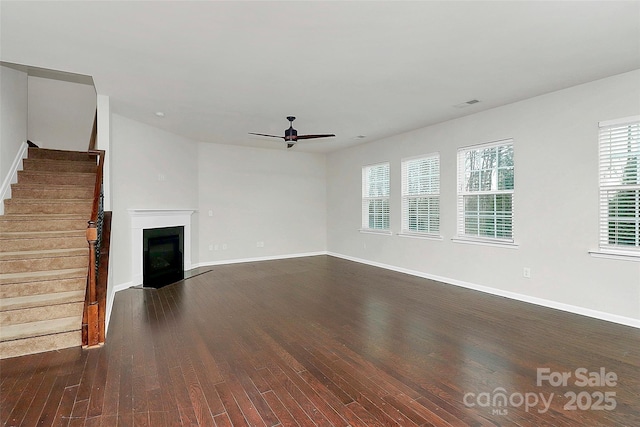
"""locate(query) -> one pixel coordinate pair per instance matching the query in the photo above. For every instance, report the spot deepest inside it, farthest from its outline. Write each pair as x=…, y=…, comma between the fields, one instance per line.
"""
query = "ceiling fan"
x=291, y=135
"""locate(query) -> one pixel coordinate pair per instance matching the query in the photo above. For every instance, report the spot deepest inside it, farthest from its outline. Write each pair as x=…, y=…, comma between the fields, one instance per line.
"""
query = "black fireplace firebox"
x=163, y=256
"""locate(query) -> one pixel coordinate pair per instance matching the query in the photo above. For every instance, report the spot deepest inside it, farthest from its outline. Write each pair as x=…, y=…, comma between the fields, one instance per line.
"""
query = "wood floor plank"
x=233, y=411
x=222, y=420
x=320, y=341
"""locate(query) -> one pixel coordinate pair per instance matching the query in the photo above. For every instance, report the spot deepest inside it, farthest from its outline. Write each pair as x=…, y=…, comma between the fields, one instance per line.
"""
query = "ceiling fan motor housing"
x=290, y=134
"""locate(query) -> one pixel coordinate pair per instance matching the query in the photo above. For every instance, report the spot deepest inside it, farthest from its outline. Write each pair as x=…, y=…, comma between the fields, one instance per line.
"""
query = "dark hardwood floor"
x=324, y=341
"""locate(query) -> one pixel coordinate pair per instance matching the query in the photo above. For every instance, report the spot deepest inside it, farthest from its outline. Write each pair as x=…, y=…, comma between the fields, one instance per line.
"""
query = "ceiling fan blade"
x=264, y=134
x=323, y=135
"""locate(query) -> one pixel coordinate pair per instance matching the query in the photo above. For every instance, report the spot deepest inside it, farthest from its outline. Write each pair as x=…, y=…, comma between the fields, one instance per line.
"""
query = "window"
x=421, y=195
x=620, y=184
x=375, y=197
x=485, y=192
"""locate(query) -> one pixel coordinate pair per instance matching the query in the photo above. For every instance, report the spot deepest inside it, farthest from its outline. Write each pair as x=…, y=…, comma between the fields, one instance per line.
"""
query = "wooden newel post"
x=93, y=326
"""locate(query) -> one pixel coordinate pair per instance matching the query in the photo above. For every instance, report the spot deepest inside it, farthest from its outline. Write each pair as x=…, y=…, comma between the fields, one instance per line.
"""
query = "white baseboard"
x=601, y=315
x=265, y=258
x=12, y=175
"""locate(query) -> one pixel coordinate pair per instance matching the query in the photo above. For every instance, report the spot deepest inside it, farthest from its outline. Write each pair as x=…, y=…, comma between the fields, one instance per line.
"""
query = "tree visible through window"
x=375, y=197
x=620, y=184
x=485, y=191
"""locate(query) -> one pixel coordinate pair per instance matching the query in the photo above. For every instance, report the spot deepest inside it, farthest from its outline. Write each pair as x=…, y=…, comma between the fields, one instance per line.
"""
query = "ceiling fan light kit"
x=291, y=135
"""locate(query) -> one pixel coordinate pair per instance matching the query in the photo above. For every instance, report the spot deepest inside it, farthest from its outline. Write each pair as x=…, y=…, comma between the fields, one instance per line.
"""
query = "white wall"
x=13, y=116
x=150, y=169
x=260, y=195
x=277, y=197
x=556, y=201
x=60, y=113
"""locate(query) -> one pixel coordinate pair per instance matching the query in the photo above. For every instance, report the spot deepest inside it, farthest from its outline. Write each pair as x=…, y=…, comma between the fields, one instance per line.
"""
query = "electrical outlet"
x=210, y=247
x=260, y=244
x=526, y=272
x=210, y=212
x=224, y=246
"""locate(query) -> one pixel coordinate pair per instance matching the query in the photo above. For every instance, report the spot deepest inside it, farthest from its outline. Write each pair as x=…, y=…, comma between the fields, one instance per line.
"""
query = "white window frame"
x=616, y=139
x=427, y=187
x=380, y=196
x=464, y=191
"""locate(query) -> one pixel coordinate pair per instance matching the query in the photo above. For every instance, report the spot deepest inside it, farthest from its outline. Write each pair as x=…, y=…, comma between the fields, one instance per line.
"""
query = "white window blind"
x=485, y=191
x=421, y=195
x=620, y=184
x=375, y=197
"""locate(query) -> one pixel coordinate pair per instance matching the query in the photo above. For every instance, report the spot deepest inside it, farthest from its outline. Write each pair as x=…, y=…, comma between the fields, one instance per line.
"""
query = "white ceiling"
x=219, y=70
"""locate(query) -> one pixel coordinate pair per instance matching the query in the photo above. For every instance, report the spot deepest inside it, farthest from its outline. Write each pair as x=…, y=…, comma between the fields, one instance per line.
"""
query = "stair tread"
x=44, y=253
x=39, y=328
x=55, y=151
x=40, y=344
x=51, y=186
x=50, y=201
x=59, y=161
x=41, y=234
x=40, y=216
x=42, y=275
x=45, y=172
x=40, y=300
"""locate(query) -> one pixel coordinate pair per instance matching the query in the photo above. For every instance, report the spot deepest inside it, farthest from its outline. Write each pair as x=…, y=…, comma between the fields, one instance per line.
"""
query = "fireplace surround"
x=146, y=219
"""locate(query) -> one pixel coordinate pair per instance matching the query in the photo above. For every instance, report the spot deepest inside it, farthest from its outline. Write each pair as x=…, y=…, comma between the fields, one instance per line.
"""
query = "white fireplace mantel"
x=142, y=219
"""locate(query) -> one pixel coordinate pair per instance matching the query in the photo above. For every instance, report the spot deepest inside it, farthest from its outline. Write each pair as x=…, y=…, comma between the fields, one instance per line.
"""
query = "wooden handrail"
x=97, y=189
x=95, y=303
x=91, y=329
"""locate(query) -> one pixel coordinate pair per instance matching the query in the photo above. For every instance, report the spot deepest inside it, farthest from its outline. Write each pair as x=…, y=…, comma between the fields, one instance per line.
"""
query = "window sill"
x=374, y=231
x=420, y=236
x=618, y=255
x=482, y=242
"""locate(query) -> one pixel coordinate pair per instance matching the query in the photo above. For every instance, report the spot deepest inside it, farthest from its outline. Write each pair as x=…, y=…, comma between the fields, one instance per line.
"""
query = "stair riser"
x=74, y=208
x=43, y=264
x=45, y=287
x=43, y=254
x=42, y=300
x=43, y=153
x=26, y=177
x=73, y=273
x=74, y=192
x=40, y=344
x=57, y=166
x=43, y=225
x=35, y=314
x=14, y=245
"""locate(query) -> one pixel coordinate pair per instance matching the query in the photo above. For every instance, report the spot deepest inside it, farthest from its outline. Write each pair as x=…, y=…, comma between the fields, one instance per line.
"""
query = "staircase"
x=44, y=254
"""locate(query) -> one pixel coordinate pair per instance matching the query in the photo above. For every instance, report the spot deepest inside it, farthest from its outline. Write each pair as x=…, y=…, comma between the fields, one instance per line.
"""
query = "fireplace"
x=144, y=219
x=163, y=256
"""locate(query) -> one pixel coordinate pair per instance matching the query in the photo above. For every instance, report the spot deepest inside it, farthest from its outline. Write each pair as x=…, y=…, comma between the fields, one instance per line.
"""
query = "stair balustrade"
x=93, y=328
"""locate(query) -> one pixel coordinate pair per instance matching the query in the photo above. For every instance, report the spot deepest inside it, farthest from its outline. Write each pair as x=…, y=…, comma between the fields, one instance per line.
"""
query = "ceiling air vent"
x=466, y=104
